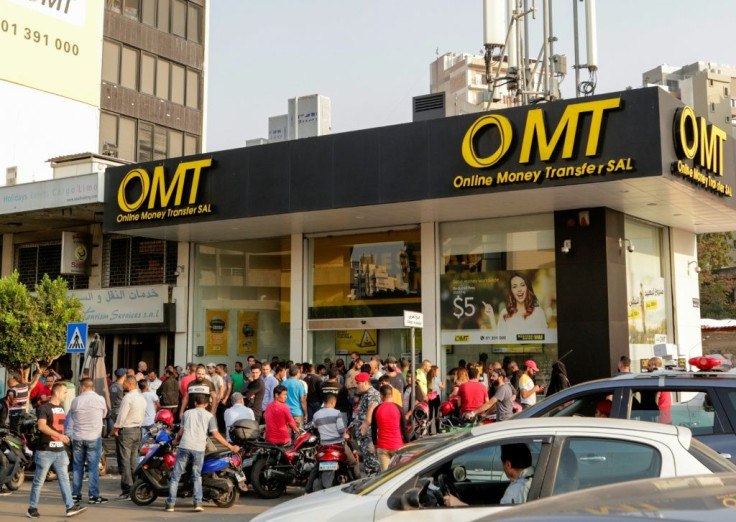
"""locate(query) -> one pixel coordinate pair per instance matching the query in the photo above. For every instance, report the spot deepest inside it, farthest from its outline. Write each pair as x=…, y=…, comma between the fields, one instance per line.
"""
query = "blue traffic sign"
x=76, y=337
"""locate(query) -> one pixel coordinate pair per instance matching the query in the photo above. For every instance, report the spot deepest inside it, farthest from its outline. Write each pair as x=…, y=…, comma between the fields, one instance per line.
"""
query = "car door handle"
x=726, y=455
x=592, y=459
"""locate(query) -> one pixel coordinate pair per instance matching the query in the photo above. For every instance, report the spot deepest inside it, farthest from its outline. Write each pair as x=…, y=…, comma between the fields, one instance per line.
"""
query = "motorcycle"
x=28, y=429
x=332, y=467
x=221, y=475
x=14, y=459
x=276, y=467
x=451, y=421
x=246, y=433
x=420, y=421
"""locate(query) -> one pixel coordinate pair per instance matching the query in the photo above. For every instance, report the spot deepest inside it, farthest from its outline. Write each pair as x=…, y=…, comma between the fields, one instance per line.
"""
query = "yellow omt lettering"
x=142, y=177
x=505, y=132
x=710, y=153
x=164, y=193
x=568, y=125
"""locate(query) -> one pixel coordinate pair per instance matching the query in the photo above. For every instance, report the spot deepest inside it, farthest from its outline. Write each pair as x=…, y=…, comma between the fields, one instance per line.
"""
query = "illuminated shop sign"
x=699, y=147
x=143, y=196
x=538, y=144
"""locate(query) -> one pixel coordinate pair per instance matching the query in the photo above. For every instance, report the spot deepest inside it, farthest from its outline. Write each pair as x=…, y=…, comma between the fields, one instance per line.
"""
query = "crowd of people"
x=368, y=400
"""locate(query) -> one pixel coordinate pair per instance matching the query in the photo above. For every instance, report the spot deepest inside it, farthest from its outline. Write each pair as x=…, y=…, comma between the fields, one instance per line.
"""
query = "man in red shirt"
x=186, y=379
x=472, y=394
x=278, y=418
x=388, y=428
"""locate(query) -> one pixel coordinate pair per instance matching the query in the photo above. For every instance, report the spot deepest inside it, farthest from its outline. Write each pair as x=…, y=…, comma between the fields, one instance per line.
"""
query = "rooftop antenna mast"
x=586, y=88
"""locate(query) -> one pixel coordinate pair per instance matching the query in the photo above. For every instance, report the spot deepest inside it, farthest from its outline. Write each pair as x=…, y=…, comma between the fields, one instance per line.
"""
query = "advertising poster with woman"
x=647, y=311
x=503, y=307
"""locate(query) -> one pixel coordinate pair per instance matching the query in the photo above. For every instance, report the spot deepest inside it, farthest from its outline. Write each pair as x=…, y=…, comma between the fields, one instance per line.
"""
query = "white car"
x=568, y=454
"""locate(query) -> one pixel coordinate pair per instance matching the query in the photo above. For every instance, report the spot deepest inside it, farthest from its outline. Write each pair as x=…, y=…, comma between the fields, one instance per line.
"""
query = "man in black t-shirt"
x=254, y=390
x=333, y=387
x=314, y=399
x=202, y=385
x=51, y=452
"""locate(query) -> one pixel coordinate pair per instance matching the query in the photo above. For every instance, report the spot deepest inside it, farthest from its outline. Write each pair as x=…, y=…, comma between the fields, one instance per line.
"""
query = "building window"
x=148, y=12
x=725, y=91
x=179, y=18
x=178, y=74
x=111, y=62
x=191, y=145
x=34, y=260
x=153, y=142
x=194, y=23
x=192, y=89
x=145, y=141
x=176, y=144
x=117, y=136
x=129, y=68
x=131, y=9
x=131, y=261
x=712, y=107
x=148, y=74
x=164, y=14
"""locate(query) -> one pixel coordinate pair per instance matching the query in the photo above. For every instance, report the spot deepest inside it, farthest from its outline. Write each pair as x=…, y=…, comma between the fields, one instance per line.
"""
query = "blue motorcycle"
x=222, y=477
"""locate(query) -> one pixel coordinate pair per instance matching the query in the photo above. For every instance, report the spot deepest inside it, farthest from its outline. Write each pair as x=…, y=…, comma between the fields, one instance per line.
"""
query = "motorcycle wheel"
x=226, y=500
x=265, y=488
x=17, y=481
x=142, y=493
x=103, y=465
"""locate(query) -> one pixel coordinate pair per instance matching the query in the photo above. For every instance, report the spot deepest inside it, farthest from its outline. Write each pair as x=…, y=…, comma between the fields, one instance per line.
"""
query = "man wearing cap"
x=238, y=411
x=527, y=388
x=369, y=399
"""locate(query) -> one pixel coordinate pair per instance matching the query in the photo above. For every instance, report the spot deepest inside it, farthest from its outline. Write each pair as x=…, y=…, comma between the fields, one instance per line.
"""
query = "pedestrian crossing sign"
x=76, y=337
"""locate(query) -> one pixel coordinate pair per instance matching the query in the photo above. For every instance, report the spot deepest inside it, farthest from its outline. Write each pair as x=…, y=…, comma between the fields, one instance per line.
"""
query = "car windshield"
x=365, y=486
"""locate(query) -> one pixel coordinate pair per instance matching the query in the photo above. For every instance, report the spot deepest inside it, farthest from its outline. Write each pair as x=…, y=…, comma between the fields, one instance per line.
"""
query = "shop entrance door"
x=133, y=349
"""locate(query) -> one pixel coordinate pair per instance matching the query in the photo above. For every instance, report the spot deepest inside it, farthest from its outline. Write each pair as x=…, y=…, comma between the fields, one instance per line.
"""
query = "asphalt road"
x=52, y=508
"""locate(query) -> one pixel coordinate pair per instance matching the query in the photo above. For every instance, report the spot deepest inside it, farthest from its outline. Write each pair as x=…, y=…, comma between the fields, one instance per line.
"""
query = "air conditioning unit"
x=11, y=176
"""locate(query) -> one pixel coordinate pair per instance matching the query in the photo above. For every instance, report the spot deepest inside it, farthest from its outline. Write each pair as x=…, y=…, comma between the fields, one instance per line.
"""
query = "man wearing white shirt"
x=238, y=411
x=128, y=432
x=154, y=383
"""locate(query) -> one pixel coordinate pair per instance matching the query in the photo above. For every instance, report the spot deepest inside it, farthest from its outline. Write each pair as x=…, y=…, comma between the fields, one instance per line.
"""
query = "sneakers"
x=124, y=496
x=169, y=507
x=32, y=513
x=75, y=510
x=77, y=498
x=198, y=506
x=4, y=492
x=97, y=500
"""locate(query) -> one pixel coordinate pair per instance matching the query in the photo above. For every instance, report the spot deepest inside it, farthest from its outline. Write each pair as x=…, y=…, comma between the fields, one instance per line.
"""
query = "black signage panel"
x=585, y=140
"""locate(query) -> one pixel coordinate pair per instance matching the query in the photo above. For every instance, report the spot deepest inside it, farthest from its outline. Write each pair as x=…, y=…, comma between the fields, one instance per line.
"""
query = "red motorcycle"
x=333, y=468
x=276, y=467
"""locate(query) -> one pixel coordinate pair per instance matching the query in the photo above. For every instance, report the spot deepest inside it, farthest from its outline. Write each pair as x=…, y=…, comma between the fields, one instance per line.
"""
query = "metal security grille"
x=131, y=261
x=36, y=259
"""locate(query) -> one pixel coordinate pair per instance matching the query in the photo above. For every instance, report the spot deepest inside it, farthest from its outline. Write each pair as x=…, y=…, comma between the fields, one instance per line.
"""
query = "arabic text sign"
x=123, y=305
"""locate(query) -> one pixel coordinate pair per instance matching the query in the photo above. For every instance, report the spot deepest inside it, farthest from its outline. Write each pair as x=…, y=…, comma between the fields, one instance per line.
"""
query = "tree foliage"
x=716, y=287
x=33, y=325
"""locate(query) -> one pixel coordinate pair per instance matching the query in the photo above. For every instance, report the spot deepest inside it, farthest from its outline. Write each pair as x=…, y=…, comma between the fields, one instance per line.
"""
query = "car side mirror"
x=459, y=473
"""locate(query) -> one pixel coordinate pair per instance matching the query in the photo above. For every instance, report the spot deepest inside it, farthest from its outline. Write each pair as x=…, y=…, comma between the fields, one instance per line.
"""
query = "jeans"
x=312, y=408
x=86, y=452
x=183, y=457
x=44, y=460
x=129, y=439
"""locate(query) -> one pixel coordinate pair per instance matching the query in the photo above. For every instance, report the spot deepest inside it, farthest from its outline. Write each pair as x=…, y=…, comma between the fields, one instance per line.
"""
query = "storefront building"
x=566, y=229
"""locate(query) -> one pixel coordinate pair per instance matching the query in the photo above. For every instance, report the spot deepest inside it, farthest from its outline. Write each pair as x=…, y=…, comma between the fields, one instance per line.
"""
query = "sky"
x=370, y=58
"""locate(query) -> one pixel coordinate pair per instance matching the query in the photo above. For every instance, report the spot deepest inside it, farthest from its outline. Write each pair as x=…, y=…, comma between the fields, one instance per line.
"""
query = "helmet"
x=446, y=408
x=421, y=411
x=166, y=417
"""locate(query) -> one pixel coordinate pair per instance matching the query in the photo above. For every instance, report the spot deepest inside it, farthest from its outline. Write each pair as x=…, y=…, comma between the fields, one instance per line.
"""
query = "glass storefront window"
x=242, y=295
x=365, y=275
x=647, y=283
x=498, y=293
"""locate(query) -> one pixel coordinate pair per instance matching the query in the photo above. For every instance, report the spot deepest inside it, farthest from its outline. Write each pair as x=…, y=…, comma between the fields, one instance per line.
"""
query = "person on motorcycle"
x=196, y=424
x=278, y=418
x=503, y=398
x=332, y=430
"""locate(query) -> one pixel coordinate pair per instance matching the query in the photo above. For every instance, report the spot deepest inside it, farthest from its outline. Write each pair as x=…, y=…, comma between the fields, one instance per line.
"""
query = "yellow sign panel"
x=54, y=46
x=216, y=332
x=361, y=341
x=247, y=333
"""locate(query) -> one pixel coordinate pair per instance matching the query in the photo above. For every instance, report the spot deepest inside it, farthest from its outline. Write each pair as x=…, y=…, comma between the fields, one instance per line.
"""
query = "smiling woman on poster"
x=522, y=315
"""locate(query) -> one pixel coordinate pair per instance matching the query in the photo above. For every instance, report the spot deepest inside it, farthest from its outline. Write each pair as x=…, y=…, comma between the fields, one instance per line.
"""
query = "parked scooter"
x=332, y=468
x=276, y=467
x=14, y=459
x=221, y=475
